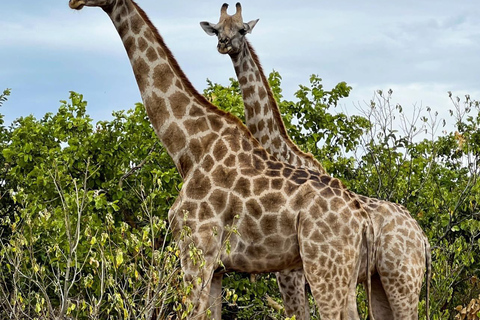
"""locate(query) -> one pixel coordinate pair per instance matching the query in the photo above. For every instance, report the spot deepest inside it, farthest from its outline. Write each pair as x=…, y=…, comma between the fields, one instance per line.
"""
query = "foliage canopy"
x=83, y=206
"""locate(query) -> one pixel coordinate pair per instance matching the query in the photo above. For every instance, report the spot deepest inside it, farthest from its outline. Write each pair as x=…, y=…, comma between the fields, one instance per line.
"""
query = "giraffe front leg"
x=198, y=264
x=215, y=301
x=330, y=292
x=197, y=281
x=331, y=269
x=352, y=305
x=292, y=287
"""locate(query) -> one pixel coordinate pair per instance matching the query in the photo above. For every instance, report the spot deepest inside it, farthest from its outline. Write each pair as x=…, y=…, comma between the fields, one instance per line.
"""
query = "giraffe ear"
x=209, y=28
x=250, y=25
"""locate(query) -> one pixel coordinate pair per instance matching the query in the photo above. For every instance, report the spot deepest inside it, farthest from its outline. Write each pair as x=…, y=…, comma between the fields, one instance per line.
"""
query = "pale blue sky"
x=420, y=49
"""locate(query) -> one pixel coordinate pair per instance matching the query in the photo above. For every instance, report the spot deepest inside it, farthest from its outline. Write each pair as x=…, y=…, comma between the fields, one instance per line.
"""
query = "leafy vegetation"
x=83, y=206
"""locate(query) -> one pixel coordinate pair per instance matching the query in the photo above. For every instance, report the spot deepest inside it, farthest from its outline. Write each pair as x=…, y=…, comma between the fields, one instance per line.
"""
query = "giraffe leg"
x=402, y=290
x=331, y=273
x=292, y=287
x=352, y=305
x=198, y=276
x=330, y=293
x=403, y=301
x=215, y=301
x=403, y=284
x=199, y=297
x=380, y=305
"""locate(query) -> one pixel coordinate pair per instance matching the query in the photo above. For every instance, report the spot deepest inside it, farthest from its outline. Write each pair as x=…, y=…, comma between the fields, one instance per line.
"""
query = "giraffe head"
x=230, y=30
x=79, y=4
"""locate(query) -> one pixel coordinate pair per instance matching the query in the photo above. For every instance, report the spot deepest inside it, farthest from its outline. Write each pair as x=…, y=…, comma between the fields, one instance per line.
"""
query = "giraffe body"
x=402, y=249
x=274, y=216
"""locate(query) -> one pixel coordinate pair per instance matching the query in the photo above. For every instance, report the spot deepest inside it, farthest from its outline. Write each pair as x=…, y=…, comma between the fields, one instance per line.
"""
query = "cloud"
x=48, y=49
x=35, y=33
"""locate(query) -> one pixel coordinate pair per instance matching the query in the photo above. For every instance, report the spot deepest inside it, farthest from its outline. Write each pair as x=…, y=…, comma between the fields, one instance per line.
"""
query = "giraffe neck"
x=184, y=121
x=262, y=113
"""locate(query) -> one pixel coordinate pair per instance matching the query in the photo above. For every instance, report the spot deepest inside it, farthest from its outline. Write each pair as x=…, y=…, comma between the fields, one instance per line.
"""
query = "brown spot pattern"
x=208, y=140
x=205, y=211
x=216, y=123
x=208, y=163
x=141, y=69
x=260, y=185
x=199, y=187
x=250, y=231
x=196, y=125
x=219, y=150
x=151, y=54
x=254, y=209
x=163, y=77
x=269, y=224
x=243, y=187
x=234, y=208
x=218, y=200
x=142, y=44
x=273, y=202
x=230, y=161
x=175, y=140
x=156, y=110
x=179, y=102
x=185, y=164
x=224, y=177
x=196, y=149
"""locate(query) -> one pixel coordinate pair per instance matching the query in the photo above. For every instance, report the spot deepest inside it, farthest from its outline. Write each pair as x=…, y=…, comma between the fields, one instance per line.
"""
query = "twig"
x=137, y=167
x=274, y=304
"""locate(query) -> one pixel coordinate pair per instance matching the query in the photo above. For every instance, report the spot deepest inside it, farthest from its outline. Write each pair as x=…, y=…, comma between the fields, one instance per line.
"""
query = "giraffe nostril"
x=224, y=40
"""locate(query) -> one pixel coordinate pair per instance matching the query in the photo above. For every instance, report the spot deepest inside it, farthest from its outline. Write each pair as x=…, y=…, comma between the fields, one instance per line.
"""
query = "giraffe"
x=402, y=249
x=284, y=217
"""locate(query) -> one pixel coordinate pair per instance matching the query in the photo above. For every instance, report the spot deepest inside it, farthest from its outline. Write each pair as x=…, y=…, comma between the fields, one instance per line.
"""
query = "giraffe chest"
x=247, y=240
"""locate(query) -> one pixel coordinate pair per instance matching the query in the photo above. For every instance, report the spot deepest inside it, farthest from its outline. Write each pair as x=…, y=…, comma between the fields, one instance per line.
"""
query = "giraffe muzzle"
x=224, y=48
x=224, y=45
x=76, y=4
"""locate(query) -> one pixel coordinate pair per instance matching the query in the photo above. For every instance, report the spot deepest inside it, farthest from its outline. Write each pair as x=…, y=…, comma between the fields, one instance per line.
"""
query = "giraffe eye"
x=215, y=31
x=242, y=32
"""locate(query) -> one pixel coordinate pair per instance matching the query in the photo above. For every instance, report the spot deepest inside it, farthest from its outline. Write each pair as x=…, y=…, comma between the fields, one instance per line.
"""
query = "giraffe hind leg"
x=380, y=305
x=403, y=297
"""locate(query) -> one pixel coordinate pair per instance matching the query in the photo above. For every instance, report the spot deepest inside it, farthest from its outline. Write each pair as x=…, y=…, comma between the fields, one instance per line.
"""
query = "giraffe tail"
x=369, y=235
x=428, y=265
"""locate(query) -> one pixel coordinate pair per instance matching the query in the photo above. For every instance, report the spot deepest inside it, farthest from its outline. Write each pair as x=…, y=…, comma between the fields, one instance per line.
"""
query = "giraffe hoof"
x=76, y=4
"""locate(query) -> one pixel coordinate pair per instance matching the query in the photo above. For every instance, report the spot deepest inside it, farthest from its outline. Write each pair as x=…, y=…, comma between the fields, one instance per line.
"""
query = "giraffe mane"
x=278, y=116
x=189, y=87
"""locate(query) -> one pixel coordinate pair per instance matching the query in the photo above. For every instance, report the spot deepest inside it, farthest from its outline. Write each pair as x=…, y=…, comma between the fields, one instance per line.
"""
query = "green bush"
x=83, y=206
